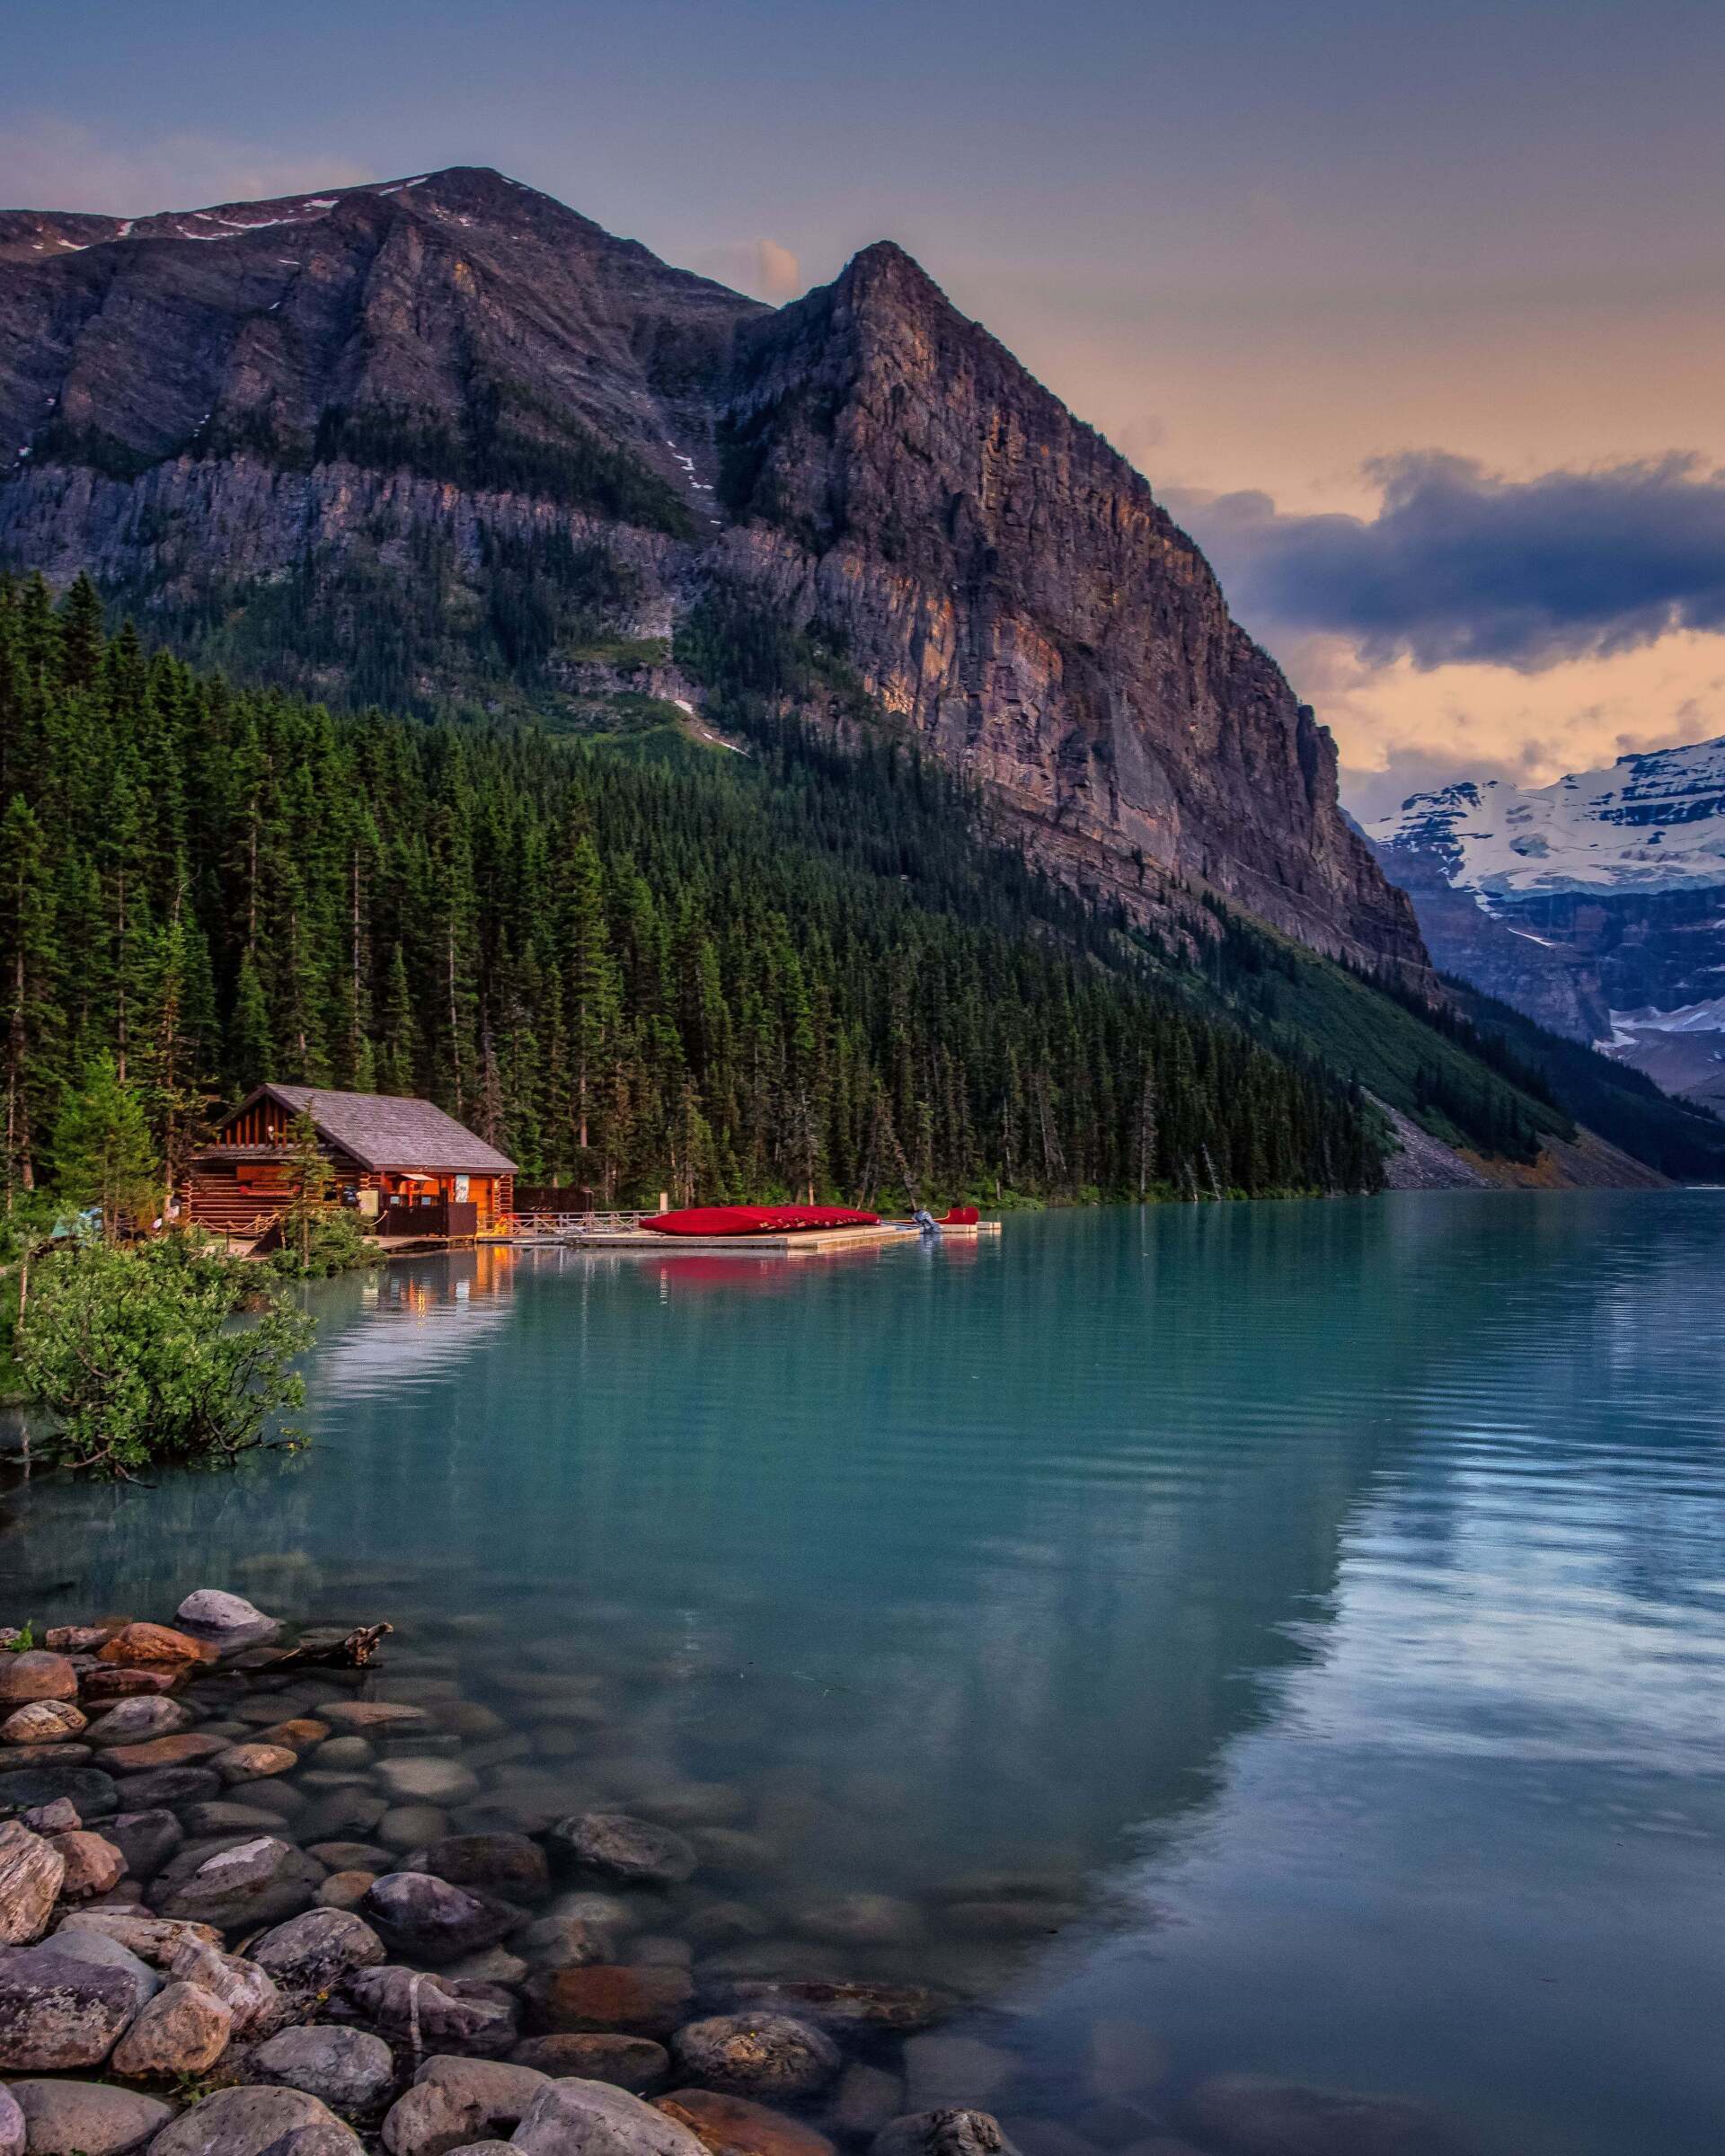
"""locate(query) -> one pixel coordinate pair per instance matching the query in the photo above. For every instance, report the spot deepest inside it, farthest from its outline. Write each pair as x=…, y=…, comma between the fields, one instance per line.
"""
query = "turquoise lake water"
x=1324, y=1602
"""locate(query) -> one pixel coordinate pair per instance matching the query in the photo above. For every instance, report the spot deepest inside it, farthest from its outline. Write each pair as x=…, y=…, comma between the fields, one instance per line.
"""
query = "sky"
x=1414, y=316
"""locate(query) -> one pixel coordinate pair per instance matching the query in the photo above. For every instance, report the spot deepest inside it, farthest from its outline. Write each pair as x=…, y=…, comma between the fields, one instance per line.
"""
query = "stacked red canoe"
x=755, y=1220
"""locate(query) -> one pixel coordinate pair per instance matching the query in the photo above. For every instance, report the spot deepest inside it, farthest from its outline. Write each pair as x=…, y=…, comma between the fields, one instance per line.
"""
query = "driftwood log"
x=352, y=1653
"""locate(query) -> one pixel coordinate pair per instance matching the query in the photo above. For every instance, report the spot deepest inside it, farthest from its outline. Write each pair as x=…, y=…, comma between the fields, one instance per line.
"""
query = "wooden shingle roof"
x=382, y=1131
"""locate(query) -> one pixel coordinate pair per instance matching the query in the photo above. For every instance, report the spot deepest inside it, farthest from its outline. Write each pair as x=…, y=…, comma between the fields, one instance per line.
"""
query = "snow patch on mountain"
x=1653, y=822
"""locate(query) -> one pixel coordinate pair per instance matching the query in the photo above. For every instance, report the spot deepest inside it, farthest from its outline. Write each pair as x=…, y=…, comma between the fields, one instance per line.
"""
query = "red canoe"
x=755, y=1220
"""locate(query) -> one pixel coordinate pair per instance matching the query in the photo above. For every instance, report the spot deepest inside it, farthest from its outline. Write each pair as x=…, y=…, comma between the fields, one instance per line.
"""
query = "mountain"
x=443, y=444
x=1596, y=905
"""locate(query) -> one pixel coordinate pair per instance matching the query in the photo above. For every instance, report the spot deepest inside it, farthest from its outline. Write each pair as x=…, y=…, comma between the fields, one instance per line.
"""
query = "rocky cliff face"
x=446, y=440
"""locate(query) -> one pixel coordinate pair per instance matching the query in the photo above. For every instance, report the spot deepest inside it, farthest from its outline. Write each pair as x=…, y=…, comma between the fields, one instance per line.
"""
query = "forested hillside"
x=715, y=974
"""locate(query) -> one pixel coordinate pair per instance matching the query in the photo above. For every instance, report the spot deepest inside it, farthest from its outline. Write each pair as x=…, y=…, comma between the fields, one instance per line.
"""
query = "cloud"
x=1462, y=565
x=764, y=266
x=50, y=162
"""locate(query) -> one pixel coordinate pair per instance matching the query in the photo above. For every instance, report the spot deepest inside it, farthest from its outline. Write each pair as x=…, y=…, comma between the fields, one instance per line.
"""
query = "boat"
x=755, y=1220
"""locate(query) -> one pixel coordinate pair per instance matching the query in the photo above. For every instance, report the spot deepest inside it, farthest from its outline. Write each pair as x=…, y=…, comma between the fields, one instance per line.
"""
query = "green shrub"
x=170, y=1351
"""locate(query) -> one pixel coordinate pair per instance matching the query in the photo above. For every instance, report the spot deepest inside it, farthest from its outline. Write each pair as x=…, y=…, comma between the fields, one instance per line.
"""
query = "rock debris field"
x=252, y=1909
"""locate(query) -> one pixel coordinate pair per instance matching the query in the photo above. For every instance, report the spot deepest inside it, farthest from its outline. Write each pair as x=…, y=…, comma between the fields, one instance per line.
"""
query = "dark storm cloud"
x=1460, y=565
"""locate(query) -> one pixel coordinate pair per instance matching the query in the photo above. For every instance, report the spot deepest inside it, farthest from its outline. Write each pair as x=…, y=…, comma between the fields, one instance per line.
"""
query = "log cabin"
x=400, y=1163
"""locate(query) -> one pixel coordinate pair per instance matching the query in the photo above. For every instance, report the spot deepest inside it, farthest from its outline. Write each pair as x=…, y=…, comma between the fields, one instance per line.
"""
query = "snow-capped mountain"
x=1597, y=904
x=1649, y=823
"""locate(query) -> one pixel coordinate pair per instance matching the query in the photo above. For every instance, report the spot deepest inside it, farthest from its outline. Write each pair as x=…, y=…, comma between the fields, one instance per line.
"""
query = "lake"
x=1312, y=1616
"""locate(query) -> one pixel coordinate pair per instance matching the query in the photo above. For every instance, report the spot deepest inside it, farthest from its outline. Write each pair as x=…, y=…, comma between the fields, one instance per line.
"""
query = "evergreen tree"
x=102, y=1154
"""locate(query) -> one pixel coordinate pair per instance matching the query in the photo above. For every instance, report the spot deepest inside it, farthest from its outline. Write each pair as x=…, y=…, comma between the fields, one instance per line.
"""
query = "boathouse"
x=402, y=1164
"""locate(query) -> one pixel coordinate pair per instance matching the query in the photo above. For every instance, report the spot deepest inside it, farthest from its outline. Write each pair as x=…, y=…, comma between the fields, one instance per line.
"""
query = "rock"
x=156, y=1939
x=257, y=1882
x=107, y=1682
x=507, y=1863
x=317, y=1952
x=953, y=2070
x=90, y=1790
x=861, y=1920
x=1251, y=2115
x=658, y=1951
x=59, y=2011
x=12, y=2124
x=30, y=1871
x=944, y=2133
x=730, y=2125
x=247, y=1992
x=86, y=2118
x=899, y=2008
x=494, y=1965
x=79, y=1638
x=482, y=2147
x=724, y=1923
x=251, y=2121
x=442, y=2013
x=98, y=1949
x=204, y=1821
x=134, y=1721
x=633, y=2062
x=168, y=1787
x=42, y=1722
x=147, y=1840
x=154, y=1646
x=184, y=1748
x=60, y=1817
x=345, y=2068
x=592, y=2119
x=93, y=1865
x=416, y=1780
x=381, y=1717
x=566, y=1942
x=732, y=1853
x=350, y=1856
x=183, y=2029
x=345, y=1889
x=457, y=2100
x=45, y=1755
x=36, y=1674
x=468, y=1718
x=406, y=1827
x=344, y=1752
x=756, y=2055
x=254, y=1762
x=614, y=1846
x=636, y=2002
x=866, y=2097
x=211, y=1610
x=430, y=1920
x=300, y=1734
x=275, y=1794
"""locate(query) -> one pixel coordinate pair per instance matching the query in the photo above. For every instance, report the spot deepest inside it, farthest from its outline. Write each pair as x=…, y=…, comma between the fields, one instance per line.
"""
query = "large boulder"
x=731, y=2126
x=438, y=2013
x=248, y=2121
x=58, y=2011
x=599, y=1996
x=1252, y=2115
x=349, y=2069
x=36, y=1674
x=87, y=2119
x=457, y=2100
x=183, y=2029
x=633, y=2062
x=256, y=1882
x=212, y=1610
x=611, y=1845
x=30, y=1871
x=590, y=2118
x=756, y=2055
x=155, y=1647
x=98, y=1949
x=317, y=1952
x=427, y=1919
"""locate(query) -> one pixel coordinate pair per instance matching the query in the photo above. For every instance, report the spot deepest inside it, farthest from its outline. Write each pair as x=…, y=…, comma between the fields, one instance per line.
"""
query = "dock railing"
x=560, y=1227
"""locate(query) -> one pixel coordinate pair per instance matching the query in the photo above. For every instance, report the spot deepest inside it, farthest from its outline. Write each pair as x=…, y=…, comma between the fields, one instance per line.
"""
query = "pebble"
x=866, y=2097
x=360, y=1717
x=255, y=1761
x=405, y=1827
x=347, y=2069
x=901, y=2009
x=859, y=1919
x=86, y=2118
x=343, y=1751
x=183, y=2029
x=756, y=2055
x=345, y=1889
